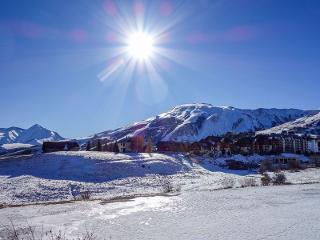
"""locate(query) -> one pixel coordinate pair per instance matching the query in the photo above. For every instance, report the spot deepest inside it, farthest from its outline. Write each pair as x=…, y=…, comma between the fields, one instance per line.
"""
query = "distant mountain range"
x=189, y=122
x=193, y=122
x=34, y=135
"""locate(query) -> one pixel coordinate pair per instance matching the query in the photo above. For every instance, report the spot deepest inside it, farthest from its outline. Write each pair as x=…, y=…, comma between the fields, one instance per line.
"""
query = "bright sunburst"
x=140, y=45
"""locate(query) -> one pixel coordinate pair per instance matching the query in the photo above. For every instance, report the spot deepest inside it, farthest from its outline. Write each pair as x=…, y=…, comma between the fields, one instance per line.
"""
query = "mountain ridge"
x=192, y=122
x=186, y=123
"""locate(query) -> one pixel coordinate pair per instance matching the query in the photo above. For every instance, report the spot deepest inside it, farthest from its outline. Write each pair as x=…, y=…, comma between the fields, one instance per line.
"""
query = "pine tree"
x=149, y=146
x=99, y=147
x=115, y=147
x=88, y=147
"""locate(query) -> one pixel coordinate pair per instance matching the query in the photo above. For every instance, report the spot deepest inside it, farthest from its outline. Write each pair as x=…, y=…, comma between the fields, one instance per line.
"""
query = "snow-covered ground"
x=198, y=211
x=64, y=176
x=275, y=212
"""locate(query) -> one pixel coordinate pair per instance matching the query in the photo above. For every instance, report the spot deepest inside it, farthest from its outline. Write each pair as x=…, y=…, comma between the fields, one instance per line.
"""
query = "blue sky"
x=243, y=53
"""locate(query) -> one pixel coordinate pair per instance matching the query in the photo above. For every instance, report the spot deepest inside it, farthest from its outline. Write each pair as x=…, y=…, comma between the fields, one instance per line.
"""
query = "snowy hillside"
x=34, y=135
x=304, y=125
x=60, y=176
x=192, y=122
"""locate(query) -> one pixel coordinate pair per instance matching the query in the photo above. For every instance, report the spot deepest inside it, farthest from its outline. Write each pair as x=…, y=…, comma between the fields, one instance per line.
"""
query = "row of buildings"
x=128, y=144
x=246, y=144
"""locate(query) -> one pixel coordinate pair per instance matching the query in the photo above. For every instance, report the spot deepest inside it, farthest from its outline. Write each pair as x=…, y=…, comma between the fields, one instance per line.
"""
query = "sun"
x=140, y=46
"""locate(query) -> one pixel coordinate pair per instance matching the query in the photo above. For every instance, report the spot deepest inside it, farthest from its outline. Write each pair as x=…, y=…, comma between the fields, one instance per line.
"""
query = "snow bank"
x=11, y=146
x=91, y=166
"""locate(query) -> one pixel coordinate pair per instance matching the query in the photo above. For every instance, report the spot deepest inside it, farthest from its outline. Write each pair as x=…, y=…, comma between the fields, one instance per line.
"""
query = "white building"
x=124, y=146
x=312, y=145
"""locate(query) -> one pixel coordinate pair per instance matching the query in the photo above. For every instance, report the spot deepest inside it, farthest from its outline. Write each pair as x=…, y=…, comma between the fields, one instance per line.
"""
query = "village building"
x=263, y=144
x=244, y=145
x=202, y=147
x=313, y=145
x=131, y=144
x=124, y=145
x=278, y=144
x=60, y=146
x=171, y=146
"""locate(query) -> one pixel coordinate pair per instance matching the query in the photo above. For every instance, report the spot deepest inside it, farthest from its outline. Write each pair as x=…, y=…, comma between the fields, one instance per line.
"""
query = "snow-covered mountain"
x=34, y=135
x=304, y=125
x=9, y=135
x=193, y=122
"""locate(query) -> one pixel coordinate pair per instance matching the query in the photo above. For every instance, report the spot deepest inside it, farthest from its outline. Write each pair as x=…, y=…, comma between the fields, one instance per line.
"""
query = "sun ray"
x=181, y=57
x=158, y=85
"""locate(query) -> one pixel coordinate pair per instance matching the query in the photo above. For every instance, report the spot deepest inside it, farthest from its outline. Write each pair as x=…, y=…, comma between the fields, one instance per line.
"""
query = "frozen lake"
x=275, y=212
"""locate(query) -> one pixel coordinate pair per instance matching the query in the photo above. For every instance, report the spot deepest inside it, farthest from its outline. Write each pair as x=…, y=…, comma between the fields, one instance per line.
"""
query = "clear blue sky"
x=243, y=53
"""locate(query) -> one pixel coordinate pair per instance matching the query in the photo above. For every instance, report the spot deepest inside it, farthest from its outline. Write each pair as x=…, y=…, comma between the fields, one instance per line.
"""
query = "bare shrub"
x=266, y=166
x=294, y=164
x=85, y=195
x=248, y=182
x=11, y=232
x=265, y=179
x=227, y=182
x=168, y=187
x=279, y=178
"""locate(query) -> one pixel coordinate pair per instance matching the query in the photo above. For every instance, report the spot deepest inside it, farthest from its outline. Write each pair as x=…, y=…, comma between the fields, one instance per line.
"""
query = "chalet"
x=60, y=146
x=224, y=148
x=131, y=144
x=171, y=146
x=124, y=145
x=211, y=144
x=244, y=145
x=201, y=147
x=225, y=145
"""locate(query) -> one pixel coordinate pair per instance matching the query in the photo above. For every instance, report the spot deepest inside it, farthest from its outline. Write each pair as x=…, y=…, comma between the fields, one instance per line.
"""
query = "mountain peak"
x=34, y=135
x=36, y=126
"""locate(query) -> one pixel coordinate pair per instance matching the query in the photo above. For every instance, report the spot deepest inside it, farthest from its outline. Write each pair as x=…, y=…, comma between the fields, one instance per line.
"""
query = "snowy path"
x=284, y=212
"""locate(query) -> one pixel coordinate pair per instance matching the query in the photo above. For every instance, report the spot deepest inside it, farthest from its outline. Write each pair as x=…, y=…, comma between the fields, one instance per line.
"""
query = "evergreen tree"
x=99, y=146
x=88, y=147
x=149, y=146
x=115, y=147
